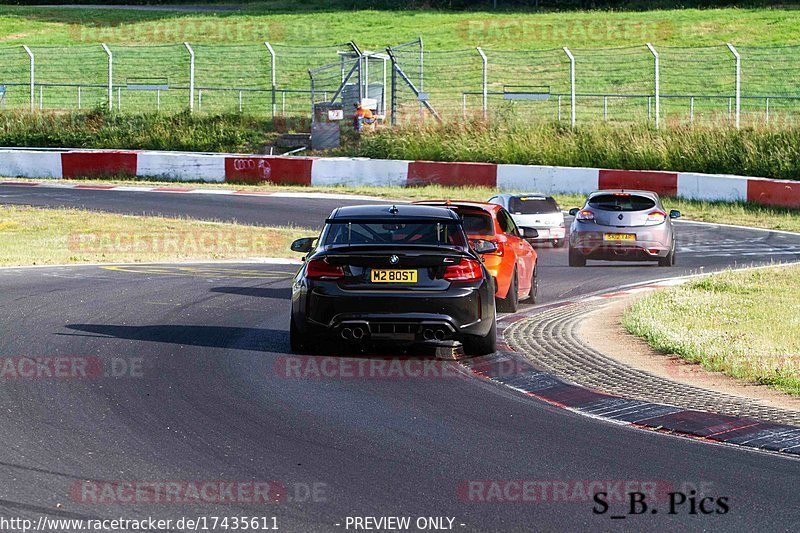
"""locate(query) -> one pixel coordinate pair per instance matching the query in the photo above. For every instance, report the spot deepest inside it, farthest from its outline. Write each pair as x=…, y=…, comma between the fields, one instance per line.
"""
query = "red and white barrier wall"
x=323, y=171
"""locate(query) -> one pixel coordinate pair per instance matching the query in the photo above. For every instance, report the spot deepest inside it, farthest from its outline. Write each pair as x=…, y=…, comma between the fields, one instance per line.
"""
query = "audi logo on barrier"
x=246, y=164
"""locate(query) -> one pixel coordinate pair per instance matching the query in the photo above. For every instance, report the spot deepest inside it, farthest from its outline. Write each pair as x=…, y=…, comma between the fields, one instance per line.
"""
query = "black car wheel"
x=482, y=345
x=534, y=285
x=576, y=259
x=667, y=261
x=296, y=342
x=510, y=303
x=558, y=243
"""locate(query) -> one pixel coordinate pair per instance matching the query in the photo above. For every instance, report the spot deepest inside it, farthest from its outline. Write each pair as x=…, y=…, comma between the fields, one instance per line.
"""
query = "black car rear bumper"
x=323, y=308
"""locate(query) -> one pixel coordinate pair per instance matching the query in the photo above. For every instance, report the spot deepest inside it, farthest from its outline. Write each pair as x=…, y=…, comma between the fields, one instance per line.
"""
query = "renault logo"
x=394, y=259
x=620, y=216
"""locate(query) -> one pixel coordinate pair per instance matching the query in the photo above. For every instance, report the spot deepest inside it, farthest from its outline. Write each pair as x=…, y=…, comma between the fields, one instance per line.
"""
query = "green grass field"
x=744, y=324
x=230, y=54
x=317, y=23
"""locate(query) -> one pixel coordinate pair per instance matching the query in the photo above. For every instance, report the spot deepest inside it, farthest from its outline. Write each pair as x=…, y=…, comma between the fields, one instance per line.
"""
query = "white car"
x=537, y=211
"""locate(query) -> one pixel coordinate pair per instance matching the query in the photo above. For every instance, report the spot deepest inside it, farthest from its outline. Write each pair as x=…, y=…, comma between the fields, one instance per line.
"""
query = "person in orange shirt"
x=362, y=116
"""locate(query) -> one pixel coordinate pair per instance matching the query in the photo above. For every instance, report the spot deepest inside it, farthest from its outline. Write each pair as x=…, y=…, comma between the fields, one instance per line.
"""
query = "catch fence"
x=649, y=83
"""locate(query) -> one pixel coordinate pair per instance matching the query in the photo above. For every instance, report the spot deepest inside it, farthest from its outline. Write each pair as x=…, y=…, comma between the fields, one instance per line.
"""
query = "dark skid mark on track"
x=260, y=340
x=283, y=293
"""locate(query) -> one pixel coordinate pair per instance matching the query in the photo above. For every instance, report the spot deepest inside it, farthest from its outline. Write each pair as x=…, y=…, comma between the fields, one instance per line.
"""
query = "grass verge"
x=34, y=236
x=763, y=152
x=745, y=324
x=144, y=131
x=744, y=214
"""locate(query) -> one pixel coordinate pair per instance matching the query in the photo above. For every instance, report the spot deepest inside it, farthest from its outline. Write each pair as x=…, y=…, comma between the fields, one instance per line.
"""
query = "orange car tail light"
x=585, y=214
x=466, y=270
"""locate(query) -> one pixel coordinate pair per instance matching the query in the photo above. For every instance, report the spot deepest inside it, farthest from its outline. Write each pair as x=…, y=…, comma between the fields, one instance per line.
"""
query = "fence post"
x=272, y=68
x=485, y=88
x=110, y=76
x=421, y=76
x=738, y=83
x=33, y=78
x=571, y=82
x=366, y=75
x=383, y=96
x=393, y=60
x=657, y=84
x=311, y=78
x=191, y=76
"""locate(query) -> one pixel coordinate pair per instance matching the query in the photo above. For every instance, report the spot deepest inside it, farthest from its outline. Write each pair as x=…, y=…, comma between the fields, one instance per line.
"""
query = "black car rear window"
x=532, y=205
x=621, y=202
x=398, y=233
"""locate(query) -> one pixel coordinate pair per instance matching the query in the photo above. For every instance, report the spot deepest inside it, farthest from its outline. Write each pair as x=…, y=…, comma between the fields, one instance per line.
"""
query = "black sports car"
x=401, y=274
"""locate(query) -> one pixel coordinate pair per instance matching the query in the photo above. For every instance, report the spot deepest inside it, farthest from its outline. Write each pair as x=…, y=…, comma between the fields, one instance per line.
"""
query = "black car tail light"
x=466, y=270
x=321, y=269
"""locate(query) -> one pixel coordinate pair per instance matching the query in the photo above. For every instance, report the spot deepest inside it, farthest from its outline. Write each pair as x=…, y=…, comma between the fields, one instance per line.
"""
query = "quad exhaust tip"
x=430, y=334
x=355, y=334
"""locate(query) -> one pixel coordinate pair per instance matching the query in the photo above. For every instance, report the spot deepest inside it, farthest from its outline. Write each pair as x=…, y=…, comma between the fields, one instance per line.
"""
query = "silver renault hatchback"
x=622, y=225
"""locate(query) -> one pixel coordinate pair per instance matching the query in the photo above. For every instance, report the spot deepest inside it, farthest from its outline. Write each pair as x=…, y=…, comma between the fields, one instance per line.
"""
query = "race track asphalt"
x=213, y=401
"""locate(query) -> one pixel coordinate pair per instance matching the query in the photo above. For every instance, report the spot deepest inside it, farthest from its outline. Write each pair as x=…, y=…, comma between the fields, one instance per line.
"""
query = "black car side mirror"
x=528, y=233
x=304, y=245
x=574, y=211
x=674, y=214
x=482, y=246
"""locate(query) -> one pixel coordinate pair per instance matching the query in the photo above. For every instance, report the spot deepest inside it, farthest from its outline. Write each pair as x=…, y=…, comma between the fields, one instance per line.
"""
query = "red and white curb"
x=515, y=371
x=332, y=171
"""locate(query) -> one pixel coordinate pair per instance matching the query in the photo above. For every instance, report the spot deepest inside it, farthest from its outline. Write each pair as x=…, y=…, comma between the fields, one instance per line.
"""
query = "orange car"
x=513, y=265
